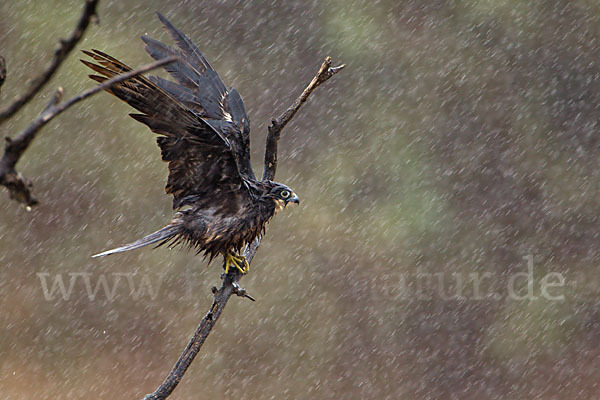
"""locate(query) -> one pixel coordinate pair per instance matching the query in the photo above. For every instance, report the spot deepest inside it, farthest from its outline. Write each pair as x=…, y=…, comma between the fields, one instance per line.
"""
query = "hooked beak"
x=294, y=199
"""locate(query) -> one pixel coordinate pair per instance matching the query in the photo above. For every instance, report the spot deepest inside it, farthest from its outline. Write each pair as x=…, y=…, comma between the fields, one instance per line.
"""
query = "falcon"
x=203, y=133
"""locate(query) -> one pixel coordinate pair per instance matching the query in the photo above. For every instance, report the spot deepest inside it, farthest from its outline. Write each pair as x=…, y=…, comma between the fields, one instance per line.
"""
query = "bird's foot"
x=237, y=261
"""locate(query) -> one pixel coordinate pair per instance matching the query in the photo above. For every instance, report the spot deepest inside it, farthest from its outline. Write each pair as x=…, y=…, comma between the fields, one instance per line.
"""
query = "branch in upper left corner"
x=20, y=187
x=60, y=54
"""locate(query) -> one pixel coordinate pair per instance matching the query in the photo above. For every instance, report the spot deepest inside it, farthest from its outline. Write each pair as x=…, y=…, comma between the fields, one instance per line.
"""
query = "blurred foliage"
x=461, y=138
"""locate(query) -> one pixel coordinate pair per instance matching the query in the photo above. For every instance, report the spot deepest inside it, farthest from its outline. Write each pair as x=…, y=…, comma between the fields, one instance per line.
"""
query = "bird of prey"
x=203, y=129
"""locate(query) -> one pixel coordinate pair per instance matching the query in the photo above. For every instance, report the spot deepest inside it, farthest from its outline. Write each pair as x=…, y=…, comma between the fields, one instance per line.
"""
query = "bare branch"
x=19, y=186
x=2, y=70
x=222, y=295
x=60, y=54
x=325, y=72
x=230, y=283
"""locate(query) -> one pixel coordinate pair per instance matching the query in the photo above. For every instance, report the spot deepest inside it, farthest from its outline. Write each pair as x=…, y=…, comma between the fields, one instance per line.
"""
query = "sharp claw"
x=238, y=261
x=241, y=268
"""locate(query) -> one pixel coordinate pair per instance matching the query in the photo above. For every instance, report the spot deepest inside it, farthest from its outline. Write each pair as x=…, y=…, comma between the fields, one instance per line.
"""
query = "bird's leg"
x=237, y=261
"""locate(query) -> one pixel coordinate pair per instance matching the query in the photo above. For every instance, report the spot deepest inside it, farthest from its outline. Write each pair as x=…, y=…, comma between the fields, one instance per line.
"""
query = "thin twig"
x=230, y=283
x=18, y=185
x=60, y=54
x=2, y=70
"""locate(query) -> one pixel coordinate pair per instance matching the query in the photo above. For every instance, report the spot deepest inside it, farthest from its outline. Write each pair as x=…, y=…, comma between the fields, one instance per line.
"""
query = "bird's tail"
x=162, y=235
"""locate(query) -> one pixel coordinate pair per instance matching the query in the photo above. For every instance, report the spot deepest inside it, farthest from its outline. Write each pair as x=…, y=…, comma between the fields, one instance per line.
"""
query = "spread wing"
x=203, y=161
x=200, y=89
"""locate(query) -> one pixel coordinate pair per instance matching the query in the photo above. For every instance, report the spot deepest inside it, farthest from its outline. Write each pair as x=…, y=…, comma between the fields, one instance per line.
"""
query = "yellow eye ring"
x=285, y=194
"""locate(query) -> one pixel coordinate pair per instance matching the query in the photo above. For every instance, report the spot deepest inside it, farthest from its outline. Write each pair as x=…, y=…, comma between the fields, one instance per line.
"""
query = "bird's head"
x=281, y=195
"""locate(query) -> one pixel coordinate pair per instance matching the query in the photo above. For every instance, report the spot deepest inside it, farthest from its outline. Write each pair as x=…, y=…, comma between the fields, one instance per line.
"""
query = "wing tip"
x=162, y=18
x=170, y=27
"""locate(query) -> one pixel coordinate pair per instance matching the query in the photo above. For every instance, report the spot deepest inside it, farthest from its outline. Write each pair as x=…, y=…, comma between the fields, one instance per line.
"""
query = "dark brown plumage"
x=204, y=136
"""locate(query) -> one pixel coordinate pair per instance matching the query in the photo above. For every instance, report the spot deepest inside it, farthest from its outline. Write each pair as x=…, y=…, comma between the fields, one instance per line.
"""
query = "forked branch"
x=60, y=54
x=230, y=283
x=20, y=187
x=325, y=72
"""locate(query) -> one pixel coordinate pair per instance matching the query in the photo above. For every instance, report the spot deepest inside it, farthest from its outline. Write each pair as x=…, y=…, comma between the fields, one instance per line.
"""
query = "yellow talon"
x=238, y=261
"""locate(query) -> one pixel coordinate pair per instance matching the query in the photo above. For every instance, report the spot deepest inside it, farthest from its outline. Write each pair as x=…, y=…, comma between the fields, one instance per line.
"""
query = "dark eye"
x=285, y=194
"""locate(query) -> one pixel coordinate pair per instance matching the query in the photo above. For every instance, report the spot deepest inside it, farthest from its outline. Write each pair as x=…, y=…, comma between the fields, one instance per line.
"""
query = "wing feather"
x=201, y=160
x=200, y=88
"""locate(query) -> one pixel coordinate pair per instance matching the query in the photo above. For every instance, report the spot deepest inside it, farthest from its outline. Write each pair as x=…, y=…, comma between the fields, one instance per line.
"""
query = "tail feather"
x=162, y=235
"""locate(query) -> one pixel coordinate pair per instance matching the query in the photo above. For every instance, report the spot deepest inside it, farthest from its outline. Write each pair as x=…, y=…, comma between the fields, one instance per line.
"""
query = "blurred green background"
x=461, y=138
